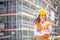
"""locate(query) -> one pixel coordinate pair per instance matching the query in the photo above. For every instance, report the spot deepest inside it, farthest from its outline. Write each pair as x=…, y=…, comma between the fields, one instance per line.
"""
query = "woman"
x=42, y=27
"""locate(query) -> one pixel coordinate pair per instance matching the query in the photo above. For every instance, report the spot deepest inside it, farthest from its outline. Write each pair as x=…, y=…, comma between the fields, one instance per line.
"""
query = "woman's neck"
x=42, y=21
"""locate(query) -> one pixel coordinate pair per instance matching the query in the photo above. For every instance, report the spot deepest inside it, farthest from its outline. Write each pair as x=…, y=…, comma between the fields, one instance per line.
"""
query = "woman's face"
x=43, y=18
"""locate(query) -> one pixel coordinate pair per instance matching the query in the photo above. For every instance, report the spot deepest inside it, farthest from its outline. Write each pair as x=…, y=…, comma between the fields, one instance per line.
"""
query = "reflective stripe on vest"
x=39, y=26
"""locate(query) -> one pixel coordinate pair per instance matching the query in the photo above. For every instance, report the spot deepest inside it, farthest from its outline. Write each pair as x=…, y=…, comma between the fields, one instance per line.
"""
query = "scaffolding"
x=17, y=18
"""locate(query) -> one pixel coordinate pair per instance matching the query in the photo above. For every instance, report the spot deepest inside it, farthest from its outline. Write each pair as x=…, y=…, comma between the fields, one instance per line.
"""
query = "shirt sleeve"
x=50, y=29
x=35, y=30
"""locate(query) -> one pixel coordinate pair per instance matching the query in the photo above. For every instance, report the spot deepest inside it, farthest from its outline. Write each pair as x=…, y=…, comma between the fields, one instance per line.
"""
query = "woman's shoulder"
x=48, y=22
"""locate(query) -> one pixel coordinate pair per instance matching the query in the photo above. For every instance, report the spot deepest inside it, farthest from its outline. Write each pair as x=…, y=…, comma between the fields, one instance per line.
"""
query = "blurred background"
x=17, y=17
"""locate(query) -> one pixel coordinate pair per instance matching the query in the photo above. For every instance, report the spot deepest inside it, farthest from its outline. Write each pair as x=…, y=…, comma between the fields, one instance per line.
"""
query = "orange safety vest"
x=39, y=27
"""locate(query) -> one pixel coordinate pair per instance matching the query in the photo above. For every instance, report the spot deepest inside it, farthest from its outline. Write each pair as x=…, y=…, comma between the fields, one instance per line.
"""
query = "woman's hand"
x=38, y=30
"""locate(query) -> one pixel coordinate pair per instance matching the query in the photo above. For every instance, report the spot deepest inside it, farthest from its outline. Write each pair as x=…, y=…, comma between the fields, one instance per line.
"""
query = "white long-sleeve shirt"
x=42, y=32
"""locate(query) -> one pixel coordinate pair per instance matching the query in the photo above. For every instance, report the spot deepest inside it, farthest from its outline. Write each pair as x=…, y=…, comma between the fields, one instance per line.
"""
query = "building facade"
x=17, y=17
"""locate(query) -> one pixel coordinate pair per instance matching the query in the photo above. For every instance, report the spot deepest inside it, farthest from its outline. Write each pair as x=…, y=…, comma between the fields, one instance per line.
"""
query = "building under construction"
x=17, y=17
